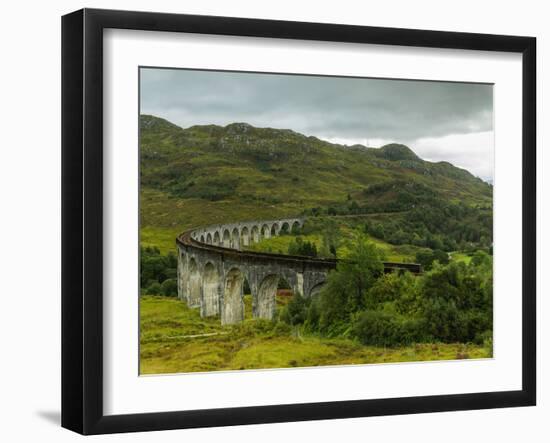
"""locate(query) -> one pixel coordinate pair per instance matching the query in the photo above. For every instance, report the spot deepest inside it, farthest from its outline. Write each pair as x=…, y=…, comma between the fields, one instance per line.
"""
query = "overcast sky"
x=437, y=120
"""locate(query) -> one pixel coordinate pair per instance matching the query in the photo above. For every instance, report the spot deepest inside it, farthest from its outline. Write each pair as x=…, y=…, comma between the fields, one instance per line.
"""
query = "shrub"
x=450, y=303
x=154, y=288
x=390, y=287
x=442, y=320
x=295, y=312
x=156, y=267
x=169, y=287
x=313, y=314
x=456, y=301
x=379, y=328
x=303, y=247
x=282, y=328
x=427, y=258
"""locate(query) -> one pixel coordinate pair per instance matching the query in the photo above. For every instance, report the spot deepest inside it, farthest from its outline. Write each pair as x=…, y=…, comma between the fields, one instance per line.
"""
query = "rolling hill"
x=210, y=174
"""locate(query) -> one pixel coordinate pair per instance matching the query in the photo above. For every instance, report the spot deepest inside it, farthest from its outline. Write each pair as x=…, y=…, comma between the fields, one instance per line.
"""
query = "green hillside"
x=210, y=174
x=362, y=204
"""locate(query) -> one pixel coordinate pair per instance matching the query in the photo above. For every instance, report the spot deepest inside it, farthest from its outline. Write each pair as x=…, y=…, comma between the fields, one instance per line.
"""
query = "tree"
x=456, y=301
x=295, y=312
x=331, y=236
x=354, y=207
x=347, y=286
x=380, y=328
x=299, y=246
x=155, y=267
x=427, y=258
x=391, y=287
x=481, y=258
x=441, y=256
x=378, y=231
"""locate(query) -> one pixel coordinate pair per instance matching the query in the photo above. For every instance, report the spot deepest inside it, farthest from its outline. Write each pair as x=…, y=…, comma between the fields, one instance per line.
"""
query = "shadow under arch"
x=226, y=239
x=235, y=239
x=255, y=234
x=285, y=228
x=245, y=237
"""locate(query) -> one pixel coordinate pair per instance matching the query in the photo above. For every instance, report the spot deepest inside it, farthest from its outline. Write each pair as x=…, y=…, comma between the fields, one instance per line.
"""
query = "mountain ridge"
x=391, y=151
x=237, y=172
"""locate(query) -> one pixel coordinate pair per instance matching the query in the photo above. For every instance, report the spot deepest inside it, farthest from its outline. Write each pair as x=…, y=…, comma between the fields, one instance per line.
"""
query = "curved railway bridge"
x=212, y=268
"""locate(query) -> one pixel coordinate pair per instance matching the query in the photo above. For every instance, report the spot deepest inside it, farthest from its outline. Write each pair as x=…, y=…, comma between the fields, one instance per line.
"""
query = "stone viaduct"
x=212, y=267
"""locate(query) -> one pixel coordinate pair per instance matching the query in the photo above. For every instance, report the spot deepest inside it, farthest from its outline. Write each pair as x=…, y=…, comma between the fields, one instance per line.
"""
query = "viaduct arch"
x=212, y=267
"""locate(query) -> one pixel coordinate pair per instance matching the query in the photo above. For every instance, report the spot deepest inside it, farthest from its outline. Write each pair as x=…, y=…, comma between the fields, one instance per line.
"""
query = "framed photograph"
x=268, y=221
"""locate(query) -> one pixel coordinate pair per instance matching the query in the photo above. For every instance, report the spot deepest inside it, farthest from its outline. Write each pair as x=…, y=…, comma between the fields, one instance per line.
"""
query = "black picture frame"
x=82, y=218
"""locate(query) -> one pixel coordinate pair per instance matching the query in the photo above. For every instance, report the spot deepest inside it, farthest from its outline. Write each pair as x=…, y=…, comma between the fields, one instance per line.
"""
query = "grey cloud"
x=327, y=107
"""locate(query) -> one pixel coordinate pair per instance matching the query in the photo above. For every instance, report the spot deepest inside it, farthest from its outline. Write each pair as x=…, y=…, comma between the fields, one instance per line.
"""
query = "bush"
x=154, y=289
x=282, y=328
x=379, y=328
x=450, y=303
x=313, y=314
x=389, y=288
x=295, y=312
x=427, y=258
x=456, y=301
x=302, y=247
x=442, y=320
x=156, y=267
x=169, y=288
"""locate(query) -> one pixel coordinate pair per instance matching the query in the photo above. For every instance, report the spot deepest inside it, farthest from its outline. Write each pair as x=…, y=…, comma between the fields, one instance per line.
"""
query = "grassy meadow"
x=174, y=338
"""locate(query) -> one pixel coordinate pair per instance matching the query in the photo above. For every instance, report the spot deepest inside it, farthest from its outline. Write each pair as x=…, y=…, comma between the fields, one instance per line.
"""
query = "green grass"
x=166, y=325
x=461, y=257
x=281, y=243
x=394, y=253
x=167, y=317
x=397, y=253
x=162, y=238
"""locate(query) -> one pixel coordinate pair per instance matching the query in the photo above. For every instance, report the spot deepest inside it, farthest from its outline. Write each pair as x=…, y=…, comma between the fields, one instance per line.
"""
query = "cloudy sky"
x=437, y=120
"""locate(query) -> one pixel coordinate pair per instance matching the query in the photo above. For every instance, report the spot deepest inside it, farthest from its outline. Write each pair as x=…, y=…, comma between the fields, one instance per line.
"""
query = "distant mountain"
x=397, y=152
x=239, y=171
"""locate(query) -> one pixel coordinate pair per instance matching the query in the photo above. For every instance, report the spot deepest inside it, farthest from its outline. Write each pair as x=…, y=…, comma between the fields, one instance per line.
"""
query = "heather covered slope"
x=210, y=174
